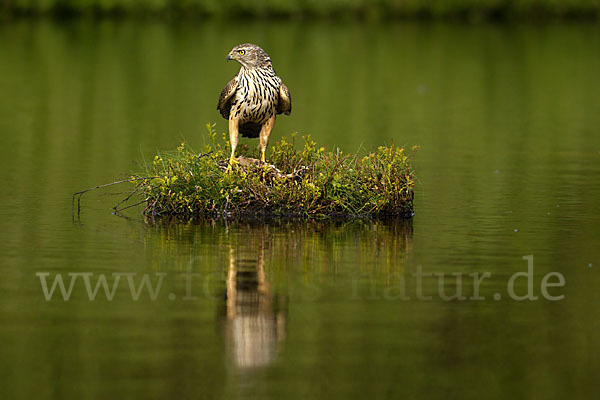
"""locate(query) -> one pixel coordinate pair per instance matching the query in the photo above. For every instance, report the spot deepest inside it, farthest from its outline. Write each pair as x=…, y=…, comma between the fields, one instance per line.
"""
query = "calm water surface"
x=506, y=118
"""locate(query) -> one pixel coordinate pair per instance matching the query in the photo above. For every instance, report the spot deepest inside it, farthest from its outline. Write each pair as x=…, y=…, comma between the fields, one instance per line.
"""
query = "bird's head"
x=250, y=56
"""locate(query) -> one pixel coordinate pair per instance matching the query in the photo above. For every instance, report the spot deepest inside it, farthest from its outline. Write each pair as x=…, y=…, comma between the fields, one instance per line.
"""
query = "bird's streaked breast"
x=257, y=95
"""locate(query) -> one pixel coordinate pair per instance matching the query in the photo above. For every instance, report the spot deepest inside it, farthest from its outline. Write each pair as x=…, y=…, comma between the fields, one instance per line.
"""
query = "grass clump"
x=307, y=182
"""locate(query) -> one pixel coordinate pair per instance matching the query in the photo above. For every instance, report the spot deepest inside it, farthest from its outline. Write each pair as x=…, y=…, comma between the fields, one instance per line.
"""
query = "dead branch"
x=129, y=206
x=82, y=192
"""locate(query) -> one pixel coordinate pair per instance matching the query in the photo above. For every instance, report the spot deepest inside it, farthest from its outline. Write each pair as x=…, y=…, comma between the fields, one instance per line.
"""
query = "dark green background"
x=506, y=117
x=367, y=9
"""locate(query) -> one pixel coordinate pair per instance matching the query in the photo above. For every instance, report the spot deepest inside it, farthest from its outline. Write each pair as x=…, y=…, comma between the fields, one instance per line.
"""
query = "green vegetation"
x=368, y=8
x=310, y=182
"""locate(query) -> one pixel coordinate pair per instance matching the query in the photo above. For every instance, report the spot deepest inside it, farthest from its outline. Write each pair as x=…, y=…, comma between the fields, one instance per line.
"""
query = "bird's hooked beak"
x=230, y=57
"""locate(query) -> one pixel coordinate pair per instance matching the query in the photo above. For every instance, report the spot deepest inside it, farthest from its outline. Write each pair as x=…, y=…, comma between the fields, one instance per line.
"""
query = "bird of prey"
x=253, y=98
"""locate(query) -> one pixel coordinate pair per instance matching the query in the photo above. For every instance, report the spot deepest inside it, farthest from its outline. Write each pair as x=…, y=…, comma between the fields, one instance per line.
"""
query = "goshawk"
x=253, y=98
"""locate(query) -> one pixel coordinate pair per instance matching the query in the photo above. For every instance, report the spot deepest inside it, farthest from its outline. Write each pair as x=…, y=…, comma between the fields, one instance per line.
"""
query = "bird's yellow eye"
x=241, y=52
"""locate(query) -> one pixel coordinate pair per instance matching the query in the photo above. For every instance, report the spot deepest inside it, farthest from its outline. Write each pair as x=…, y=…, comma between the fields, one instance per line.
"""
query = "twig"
x=137, y=188
x=129, y=206
x=81, y=193
x=203, y=155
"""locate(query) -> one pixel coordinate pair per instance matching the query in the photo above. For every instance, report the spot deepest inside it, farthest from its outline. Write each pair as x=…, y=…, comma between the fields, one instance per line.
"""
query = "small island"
x=309, y=182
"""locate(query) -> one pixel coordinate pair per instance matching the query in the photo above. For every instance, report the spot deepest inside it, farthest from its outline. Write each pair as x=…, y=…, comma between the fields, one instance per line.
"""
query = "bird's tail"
x=250, y=129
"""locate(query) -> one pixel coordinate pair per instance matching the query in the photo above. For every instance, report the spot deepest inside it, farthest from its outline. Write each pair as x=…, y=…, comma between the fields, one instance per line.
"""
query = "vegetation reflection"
x=266, y=268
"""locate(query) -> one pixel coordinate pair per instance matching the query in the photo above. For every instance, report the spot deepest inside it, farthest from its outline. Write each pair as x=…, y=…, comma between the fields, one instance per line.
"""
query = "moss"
x=307, y=182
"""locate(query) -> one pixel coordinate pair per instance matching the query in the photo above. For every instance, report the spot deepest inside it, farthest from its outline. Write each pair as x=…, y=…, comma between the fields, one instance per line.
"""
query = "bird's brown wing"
x=284, y=105
x=226, y=96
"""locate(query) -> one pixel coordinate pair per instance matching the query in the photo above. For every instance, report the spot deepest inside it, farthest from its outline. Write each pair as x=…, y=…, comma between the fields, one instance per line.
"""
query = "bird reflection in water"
x=255, y=318
x=254, y=314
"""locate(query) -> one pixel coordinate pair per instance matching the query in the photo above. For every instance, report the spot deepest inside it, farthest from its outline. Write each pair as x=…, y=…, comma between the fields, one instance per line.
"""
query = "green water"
x=506, y=118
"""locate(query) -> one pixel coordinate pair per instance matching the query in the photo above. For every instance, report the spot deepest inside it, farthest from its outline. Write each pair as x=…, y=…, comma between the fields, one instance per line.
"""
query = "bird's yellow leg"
x=265, y=132
x=232, y=159
x=233, y=139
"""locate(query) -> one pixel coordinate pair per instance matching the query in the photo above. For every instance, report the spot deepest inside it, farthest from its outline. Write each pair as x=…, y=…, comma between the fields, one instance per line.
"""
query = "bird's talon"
x=232, y=161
